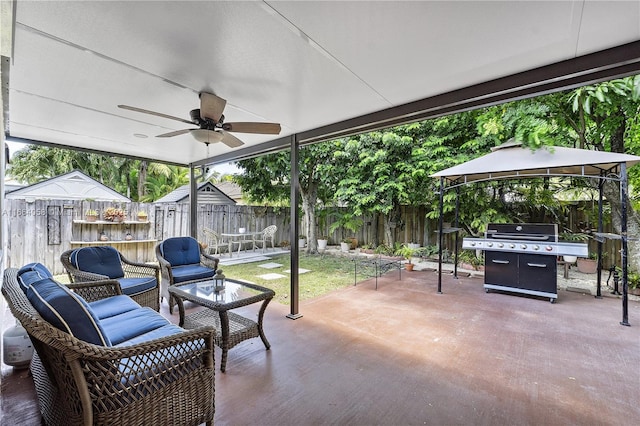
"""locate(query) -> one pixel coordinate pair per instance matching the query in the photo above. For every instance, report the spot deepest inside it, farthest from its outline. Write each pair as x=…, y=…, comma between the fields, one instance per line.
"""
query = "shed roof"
x=181, y=195
x=512, y=160
x=74, y=185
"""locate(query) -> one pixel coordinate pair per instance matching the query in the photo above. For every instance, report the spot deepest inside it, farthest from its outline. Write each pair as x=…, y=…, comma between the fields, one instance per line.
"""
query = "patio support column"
x=440, y=235
x=293, y=232
x=623, y=235
x=193, y=203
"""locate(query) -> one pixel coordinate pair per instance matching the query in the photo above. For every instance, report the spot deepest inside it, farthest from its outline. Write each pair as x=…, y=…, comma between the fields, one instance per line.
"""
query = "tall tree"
x=267, y=179
x=129, y=177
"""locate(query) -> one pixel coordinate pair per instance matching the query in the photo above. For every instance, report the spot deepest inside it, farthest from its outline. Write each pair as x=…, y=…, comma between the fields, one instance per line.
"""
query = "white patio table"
x=240, y=238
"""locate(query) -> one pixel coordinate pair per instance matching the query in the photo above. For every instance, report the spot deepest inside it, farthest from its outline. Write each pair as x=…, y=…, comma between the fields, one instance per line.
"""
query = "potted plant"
x=142, y=216
x=345, y=245
x=91, y=215
x=468, y=259
x=572, y=237
x=114, y=214
x=322, y=242
x=302, y=241
x=350, y=222
x=588, y=265
x=406, y=252
x=285, y=244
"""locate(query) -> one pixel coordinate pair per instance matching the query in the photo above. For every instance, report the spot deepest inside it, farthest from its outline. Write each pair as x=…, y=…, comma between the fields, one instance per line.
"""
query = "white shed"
x=74, y=185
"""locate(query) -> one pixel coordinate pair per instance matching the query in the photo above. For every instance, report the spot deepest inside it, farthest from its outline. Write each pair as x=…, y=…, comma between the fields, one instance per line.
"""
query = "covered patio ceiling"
x=321, y=69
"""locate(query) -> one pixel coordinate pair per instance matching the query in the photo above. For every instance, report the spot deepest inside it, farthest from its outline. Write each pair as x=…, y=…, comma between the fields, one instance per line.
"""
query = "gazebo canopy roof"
x=512, y=160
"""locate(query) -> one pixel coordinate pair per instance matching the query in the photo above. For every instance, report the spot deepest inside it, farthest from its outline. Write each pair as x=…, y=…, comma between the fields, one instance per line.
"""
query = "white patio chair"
x=268, y=233
x=213, y=241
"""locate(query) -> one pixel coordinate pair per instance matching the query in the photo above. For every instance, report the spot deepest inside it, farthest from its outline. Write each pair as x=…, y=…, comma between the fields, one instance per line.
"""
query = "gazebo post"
x=623, y=235
x=600, y=229
x=440, y=235
x=455, y=249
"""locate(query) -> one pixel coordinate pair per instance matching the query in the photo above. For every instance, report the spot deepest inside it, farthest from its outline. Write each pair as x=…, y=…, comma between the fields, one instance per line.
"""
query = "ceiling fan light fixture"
x=206, y=136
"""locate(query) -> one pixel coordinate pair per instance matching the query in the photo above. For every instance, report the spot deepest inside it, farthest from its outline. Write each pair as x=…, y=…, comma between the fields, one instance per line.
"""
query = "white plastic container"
x=16, y=347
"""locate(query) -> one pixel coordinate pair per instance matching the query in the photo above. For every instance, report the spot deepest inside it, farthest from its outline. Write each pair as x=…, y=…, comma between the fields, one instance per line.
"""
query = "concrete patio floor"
x=404, y=355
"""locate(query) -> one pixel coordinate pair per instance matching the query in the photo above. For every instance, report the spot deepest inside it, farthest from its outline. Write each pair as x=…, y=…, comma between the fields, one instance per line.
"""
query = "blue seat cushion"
x=131, y=286
x=191, y=272
x=111, y=306
x=164, y=331
x=67, y=311
x=180, y=251
x=103, y=260
x=32, y=272
x=128, y=325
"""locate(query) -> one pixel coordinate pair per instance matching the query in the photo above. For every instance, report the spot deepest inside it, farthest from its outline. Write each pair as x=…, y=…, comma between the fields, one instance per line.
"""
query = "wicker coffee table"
x=231, y=328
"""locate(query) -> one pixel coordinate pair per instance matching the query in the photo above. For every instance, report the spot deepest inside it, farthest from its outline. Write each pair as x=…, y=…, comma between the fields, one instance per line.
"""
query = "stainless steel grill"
x=521, y=258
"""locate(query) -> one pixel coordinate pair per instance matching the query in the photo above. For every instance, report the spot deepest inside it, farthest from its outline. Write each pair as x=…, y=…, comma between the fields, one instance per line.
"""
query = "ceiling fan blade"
x=249, y=127
x=231, y=141
x=158, y=114
x=176, y=133
x=211, y=106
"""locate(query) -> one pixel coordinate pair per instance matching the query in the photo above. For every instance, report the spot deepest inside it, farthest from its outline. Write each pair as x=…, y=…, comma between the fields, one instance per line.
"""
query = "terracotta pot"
x=91, y=218
x=408, y=266
x=587, y=266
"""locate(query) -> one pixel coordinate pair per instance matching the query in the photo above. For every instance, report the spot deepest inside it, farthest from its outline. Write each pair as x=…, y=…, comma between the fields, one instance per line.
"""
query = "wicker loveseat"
x=139, y=369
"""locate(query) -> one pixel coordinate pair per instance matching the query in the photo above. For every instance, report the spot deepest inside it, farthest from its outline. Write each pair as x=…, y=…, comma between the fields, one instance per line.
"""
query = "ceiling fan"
x=210, y=122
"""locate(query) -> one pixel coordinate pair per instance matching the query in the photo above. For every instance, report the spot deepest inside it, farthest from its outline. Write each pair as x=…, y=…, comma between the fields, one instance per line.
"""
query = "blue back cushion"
x=30, y=273
x=103, y=260
x=66, y=311
x=180, y=251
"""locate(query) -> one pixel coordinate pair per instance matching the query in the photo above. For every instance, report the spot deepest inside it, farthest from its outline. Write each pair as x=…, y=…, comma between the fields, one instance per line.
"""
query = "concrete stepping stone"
x=271, y=276
x=300, y=271
x=270, y=265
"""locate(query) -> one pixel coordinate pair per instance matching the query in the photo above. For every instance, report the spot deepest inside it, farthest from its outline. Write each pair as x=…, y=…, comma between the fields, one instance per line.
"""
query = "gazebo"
x=511, y=160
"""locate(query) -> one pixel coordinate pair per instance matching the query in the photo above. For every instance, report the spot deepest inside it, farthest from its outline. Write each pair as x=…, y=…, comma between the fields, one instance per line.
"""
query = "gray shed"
x=513, y=161
x=207, y=194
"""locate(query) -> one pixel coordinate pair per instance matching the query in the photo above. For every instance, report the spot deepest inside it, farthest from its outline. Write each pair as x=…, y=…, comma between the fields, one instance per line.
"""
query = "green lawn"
x=327, y=273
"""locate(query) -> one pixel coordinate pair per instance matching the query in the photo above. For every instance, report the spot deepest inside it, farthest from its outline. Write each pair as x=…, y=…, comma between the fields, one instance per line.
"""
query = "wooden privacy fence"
x=39, y=231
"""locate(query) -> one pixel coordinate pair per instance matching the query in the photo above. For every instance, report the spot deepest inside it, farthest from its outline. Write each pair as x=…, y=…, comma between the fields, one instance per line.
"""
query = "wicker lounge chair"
x=164, y=381
x=181, y=259
x=140, y=281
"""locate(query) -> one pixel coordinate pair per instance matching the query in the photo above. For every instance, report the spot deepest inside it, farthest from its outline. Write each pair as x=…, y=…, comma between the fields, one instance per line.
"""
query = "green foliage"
x=35, y=163
x=406, y=252
x=469, y=257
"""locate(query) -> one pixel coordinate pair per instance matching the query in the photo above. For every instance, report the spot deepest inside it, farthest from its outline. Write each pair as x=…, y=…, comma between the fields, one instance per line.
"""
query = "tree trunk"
x=142, y=178
x=309, y=198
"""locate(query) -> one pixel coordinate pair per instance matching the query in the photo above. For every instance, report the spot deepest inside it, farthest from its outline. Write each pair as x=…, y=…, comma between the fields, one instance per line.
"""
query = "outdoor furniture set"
x=101, y=358
x=214, y=241
x=103, y=352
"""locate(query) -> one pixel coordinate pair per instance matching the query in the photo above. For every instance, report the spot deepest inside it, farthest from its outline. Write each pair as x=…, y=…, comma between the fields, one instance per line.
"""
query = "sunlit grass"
x=327, y=273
